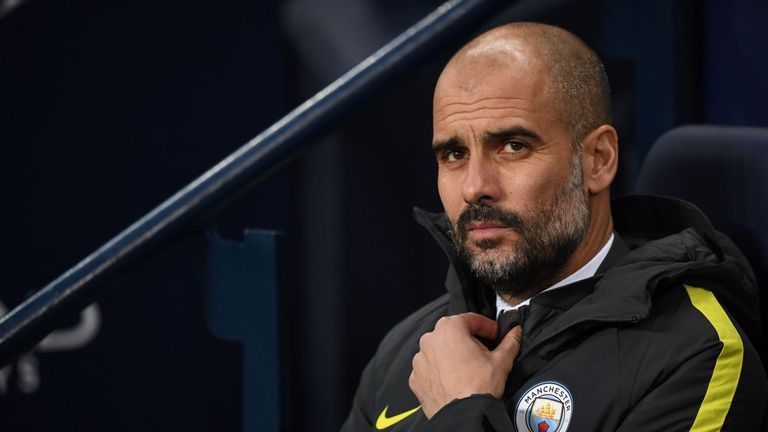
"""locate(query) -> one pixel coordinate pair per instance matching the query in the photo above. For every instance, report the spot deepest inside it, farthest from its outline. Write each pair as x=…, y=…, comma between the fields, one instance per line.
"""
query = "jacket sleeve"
x=360, y=418
x=721, y=387
x=682, y=403
x=481, y=413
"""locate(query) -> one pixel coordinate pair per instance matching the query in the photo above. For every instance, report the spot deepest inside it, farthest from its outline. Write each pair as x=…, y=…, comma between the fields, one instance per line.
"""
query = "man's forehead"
x=493, y=81
x=496, y=91
x=498, y=52
x=489, y=111
x=501, y=70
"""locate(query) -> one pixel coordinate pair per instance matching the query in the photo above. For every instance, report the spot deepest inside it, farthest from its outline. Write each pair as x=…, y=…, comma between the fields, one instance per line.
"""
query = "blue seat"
x=723, y=170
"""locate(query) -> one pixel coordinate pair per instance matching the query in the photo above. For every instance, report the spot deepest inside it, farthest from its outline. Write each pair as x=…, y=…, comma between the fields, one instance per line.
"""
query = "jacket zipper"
x=628, y=319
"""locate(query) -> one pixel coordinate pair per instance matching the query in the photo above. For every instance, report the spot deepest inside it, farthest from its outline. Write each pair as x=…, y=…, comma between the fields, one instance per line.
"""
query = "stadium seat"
x=723, y=170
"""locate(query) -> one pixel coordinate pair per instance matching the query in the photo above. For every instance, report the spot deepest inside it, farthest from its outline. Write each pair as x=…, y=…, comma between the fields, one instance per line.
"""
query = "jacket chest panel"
x=395, y=396
x=576, y=389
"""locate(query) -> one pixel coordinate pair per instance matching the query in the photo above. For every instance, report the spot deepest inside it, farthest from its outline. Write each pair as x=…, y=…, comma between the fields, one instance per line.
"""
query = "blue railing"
x=28, y=323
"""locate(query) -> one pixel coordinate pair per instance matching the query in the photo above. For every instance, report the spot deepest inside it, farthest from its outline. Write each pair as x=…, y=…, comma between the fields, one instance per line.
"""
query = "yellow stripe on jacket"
x=725, y=376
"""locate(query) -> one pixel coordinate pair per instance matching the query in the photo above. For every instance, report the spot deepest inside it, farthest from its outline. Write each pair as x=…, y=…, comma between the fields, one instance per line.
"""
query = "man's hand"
x=453, y=364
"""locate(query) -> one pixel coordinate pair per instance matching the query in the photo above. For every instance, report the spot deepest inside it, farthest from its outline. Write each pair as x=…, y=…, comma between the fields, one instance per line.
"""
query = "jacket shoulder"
x=409, y=330
x=685, y=320
x=697, y=364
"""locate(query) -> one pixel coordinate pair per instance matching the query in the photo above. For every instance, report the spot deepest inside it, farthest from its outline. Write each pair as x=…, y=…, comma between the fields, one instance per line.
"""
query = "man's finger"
x=479, y=325
x=509, y=347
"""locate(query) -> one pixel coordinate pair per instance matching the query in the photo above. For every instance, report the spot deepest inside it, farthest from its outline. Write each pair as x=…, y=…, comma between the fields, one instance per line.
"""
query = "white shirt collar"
x=588, y=270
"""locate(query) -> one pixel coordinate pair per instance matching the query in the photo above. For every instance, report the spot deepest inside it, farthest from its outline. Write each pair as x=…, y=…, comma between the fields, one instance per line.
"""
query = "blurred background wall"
x=107, y=108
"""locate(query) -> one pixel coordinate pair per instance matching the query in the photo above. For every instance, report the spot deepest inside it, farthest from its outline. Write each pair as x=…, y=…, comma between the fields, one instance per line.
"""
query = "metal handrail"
x=6, y=6
x=34, y=318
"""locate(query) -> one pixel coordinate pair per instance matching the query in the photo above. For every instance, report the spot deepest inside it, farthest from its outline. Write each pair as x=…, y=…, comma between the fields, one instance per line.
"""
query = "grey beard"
x=547, y=239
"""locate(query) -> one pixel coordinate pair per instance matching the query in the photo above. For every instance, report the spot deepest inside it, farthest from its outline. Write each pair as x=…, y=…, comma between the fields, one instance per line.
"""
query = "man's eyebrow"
x=513, y=132
x=442, y=145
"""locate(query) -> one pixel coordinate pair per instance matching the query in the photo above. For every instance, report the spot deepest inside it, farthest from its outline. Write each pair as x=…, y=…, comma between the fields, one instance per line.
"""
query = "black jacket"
x=658, y=340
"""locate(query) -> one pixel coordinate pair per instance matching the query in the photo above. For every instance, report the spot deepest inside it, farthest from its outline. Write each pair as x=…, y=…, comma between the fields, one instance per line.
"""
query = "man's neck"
x=585, y=271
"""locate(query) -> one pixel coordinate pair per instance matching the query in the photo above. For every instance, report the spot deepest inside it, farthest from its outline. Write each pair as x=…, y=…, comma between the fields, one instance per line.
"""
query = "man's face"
x=508, y=176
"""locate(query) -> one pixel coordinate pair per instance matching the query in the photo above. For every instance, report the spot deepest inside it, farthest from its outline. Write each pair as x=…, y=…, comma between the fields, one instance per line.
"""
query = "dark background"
x=107, y=108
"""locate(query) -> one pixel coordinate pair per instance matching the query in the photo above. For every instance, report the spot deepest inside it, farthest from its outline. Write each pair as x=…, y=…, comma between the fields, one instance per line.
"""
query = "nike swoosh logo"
x=384, y=422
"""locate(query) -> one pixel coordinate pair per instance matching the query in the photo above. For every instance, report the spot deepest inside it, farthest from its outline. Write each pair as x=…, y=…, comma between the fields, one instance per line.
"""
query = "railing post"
x=241, y=304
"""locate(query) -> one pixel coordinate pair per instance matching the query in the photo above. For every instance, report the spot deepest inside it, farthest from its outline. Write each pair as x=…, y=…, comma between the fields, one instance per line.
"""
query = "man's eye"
x=454, y=155
x=513, y=146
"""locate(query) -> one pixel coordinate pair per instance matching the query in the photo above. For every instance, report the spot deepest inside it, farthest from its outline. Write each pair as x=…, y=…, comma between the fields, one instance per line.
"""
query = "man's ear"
x=599, y=158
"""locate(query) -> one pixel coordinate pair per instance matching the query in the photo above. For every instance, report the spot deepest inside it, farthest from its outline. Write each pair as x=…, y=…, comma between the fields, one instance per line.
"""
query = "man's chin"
x=489, y=256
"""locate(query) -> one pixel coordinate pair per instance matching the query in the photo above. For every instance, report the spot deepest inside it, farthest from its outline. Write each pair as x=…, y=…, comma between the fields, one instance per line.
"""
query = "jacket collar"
x=466, y=292
x=665, y=240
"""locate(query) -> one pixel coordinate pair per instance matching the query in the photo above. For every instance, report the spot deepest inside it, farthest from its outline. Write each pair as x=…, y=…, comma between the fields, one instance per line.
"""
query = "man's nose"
x=481, y=184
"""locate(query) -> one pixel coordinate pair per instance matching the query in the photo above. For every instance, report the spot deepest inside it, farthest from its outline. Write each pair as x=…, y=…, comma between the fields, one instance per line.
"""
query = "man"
x=630, y=333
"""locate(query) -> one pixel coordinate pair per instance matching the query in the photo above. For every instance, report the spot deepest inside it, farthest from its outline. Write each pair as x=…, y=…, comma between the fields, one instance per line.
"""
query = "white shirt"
x=588, y=270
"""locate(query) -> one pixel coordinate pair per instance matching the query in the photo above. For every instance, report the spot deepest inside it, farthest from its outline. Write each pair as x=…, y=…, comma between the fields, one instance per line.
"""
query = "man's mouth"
x=478, y=230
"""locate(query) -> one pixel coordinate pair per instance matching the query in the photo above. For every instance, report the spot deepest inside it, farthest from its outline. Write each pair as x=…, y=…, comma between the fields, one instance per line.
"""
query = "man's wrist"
x=471, y=410
x=476, y=398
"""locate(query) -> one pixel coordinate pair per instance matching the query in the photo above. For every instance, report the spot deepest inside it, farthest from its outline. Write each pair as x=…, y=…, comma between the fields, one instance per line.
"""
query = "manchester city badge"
x=545, y=407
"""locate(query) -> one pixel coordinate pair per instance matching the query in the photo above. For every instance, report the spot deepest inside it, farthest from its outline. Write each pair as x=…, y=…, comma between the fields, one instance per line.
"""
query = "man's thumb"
x=509, y=346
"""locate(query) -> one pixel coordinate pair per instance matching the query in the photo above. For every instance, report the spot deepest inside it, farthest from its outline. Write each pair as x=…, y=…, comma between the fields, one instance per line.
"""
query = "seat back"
x=723, y=170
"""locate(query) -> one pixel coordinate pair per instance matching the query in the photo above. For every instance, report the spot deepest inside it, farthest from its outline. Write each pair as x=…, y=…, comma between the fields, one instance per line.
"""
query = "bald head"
x=575, y=85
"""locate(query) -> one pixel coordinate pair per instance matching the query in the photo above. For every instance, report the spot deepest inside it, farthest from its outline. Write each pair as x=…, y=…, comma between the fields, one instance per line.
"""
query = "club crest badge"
x=545, y=407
